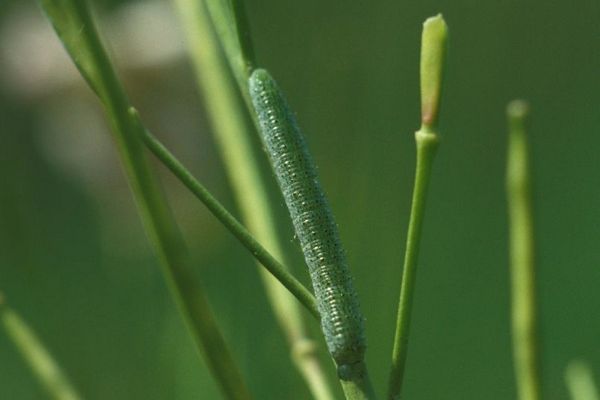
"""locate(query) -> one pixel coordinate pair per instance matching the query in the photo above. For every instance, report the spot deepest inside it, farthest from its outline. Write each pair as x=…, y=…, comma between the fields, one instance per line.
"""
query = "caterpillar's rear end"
x=341, y=319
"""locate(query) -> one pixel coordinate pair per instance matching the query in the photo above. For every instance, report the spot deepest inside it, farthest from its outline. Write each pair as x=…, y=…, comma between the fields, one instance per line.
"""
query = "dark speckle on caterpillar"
x=341, y=320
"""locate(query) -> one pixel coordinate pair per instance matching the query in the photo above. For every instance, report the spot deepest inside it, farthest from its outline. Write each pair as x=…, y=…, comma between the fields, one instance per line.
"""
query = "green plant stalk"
x=243, y=34
x=73, y=23
x=43, y=365
x=522, y=256
x=433, y=50
x=580, y=381
x=277, y=269
x=426, y=148
x=359, y=387
x=229, y=119
x=229, y=21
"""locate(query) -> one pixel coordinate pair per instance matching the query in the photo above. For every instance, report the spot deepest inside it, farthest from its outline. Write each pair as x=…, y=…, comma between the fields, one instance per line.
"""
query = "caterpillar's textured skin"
x=315, y=228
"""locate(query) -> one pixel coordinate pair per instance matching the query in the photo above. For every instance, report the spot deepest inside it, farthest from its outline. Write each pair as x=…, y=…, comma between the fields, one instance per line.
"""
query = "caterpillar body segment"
x=341, y=319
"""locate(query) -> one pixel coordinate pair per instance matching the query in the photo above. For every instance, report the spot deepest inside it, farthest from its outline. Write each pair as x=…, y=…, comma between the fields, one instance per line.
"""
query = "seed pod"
x=341, y=320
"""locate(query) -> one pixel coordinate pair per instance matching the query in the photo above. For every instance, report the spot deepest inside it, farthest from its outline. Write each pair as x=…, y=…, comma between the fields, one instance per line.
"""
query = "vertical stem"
x=41, y=362
x=231, y=31
x=73, y=23
x=243, y=33
x=433, y=49
x=580, y=381
x=228, y=116
x=426, y=149
x=359, y=387
x=522, y=256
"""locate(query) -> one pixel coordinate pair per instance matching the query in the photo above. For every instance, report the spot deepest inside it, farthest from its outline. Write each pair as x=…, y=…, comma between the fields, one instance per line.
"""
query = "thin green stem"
x=229, y=20
x=522, y=256
x=73, y=23
x=580, y=381
x=433, y=49
x=359, y=387
x=42, y=364
x=278, y=270
x=243, y=32
x=224, y=16
x=233, y=133
x=426, y=149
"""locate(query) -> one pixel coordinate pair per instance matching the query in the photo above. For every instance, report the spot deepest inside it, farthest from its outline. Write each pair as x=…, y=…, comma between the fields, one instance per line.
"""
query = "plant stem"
x=41, y=362
x=433, y=48
x=522, y=256
x=426, y=149
x=277, y=269
x=359, y=387
x=228, y=19
x=580, y=381
x=73, y=23
x=228, y=116
x=243, y=33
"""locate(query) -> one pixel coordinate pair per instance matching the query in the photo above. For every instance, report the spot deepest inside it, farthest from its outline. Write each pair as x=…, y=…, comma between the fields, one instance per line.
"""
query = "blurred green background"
x=75, y=263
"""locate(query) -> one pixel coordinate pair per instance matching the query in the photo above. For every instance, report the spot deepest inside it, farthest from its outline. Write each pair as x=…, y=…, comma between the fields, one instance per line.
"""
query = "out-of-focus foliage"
x=75, y=263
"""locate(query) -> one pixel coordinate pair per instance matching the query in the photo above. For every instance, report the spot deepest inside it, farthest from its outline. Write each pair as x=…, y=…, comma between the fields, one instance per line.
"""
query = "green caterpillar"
x=341, y=319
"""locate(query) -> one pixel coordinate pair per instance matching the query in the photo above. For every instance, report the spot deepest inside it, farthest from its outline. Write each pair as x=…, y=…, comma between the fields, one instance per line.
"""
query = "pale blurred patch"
x=145, y=35
x=32, y=60
x=142, y=35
